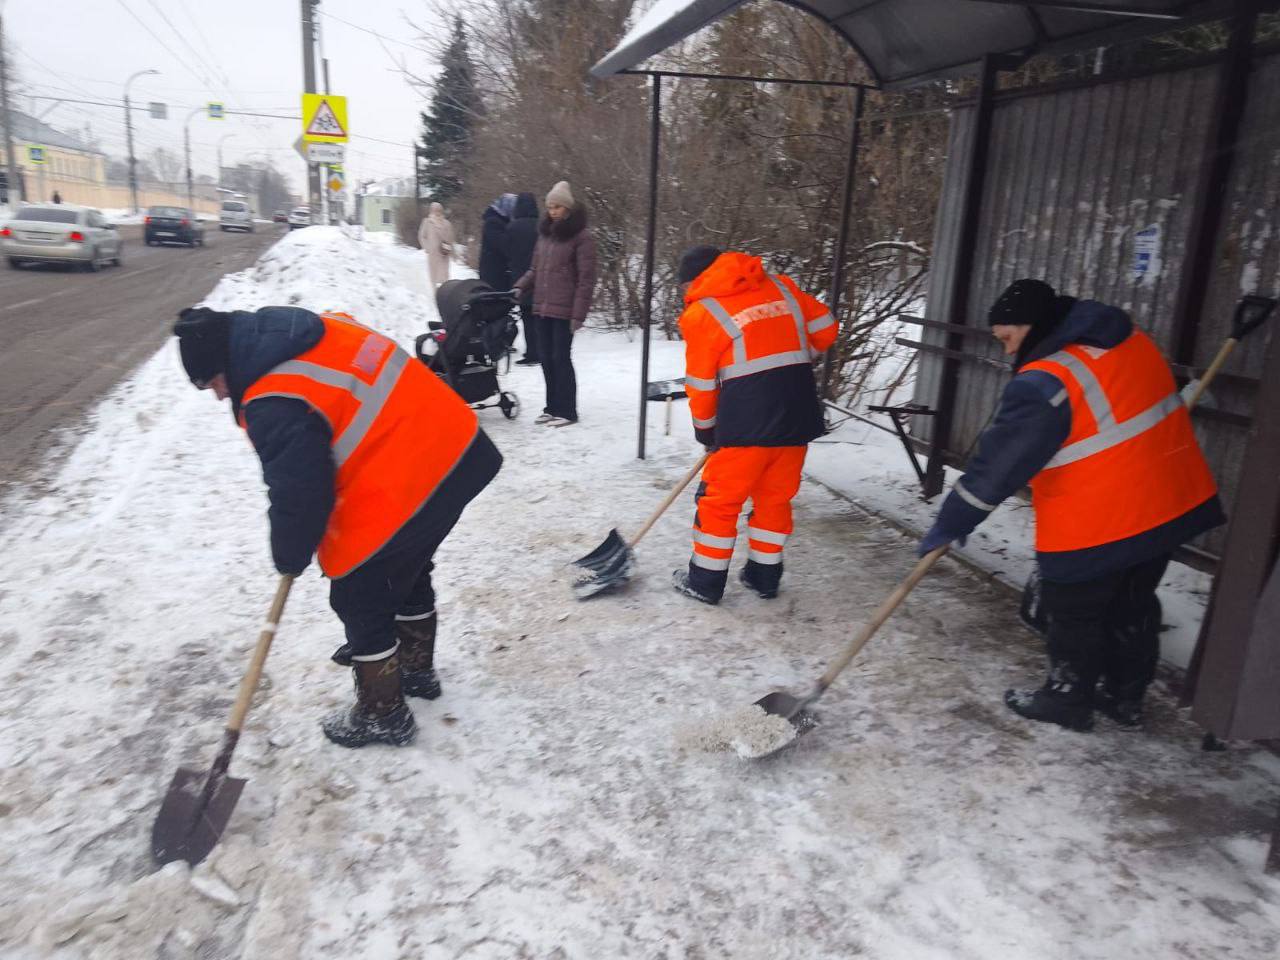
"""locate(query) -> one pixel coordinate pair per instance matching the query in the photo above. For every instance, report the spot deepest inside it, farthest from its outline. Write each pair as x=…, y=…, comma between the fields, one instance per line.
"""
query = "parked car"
x=279, y=217
x=235, y=215
x=299, y=217
x=173, y=224
x=60, y=233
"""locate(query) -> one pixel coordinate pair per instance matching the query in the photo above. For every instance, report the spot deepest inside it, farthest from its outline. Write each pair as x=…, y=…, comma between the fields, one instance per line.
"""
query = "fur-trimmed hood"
x=565, y=229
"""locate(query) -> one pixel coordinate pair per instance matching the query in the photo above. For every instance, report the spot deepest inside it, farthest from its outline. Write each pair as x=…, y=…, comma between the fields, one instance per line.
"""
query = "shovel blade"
x=794, y=710
x=187, y=828
x=614, y=575
x=605, y=555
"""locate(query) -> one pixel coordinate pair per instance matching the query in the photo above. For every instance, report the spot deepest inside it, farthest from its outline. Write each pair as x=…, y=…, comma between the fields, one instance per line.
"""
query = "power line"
x=373, y=33
x=167, y=48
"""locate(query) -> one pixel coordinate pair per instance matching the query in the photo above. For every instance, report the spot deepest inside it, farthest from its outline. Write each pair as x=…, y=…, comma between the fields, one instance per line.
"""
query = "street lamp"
x=220, y=142
x=186, y=143
x=128, y=129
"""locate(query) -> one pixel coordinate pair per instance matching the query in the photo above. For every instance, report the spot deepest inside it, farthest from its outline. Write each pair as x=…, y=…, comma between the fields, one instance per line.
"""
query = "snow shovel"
x=198, y=805
x=796, y=709
x=609, y=565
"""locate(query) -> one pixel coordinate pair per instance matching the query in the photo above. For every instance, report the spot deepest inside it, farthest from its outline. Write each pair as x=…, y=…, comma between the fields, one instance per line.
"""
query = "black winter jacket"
x=522, y=235
x=292, y=441
x=494, y=269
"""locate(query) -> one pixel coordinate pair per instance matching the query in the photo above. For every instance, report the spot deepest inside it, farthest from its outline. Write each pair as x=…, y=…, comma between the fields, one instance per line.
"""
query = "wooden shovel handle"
x=251, y=677
x=883, y=612
x=675, y=492
x=1223, y=352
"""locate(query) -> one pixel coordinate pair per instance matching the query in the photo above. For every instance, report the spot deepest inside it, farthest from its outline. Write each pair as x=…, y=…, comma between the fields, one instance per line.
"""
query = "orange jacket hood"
x=729, y=274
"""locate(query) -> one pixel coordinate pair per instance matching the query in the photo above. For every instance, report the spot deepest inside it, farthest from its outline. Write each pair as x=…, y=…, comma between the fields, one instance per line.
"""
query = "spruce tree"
x=447, y=127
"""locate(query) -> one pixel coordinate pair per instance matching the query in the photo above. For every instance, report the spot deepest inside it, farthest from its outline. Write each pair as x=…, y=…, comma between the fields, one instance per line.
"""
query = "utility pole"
x=309, y=85
x=186, y=144
x=128, y=129
x=14, y=181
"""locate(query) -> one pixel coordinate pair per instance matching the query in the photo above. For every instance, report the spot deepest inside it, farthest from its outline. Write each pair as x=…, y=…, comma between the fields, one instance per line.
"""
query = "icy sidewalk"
x=545, y=810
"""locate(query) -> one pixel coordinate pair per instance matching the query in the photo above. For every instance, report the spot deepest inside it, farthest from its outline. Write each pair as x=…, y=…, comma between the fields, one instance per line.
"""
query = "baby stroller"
x=463, y=348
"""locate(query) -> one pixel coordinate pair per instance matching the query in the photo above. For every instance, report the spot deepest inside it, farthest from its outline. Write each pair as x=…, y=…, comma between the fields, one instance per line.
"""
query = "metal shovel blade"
x=615, y=574
x=605, y=555
x=794, y=710
x=187, y=827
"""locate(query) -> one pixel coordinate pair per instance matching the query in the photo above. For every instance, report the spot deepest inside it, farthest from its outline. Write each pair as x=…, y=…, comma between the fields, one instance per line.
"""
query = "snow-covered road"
x=546, y=810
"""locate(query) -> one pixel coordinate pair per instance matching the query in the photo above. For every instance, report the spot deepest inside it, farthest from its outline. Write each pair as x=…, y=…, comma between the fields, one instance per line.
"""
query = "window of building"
x=386, y=216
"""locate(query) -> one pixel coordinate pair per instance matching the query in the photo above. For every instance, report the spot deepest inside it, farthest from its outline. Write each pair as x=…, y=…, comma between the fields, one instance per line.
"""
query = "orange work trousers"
x=767, y=476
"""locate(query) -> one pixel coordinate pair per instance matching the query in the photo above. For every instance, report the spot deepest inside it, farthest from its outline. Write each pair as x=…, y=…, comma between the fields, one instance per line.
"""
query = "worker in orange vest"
x=750, y=340
x=369, y=461
x=1093, y=422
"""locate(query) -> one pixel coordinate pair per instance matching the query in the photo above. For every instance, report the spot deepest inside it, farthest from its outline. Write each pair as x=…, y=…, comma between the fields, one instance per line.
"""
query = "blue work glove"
x=937, y=537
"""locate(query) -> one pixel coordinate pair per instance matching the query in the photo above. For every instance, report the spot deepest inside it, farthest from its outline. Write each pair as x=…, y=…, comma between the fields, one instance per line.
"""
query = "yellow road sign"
x=335, y=183
x=324, y=118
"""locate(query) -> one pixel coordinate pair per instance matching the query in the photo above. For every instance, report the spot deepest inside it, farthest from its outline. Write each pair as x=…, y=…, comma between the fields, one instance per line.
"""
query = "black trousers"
x=555, y=344
x=1108, y=629
x=530, y=336
x=397, y=579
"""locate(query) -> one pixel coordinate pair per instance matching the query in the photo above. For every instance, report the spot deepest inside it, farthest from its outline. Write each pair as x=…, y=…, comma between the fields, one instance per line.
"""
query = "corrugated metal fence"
x=1091, y=189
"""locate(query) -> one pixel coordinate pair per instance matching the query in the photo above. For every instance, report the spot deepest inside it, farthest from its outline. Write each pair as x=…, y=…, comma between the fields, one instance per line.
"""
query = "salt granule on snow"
x=749, y=732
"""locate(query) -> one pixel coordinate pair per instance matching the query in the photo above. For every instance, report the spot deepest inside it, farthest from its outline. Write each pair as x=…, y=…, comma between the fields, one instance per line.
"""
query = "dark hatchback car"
x=172, y=225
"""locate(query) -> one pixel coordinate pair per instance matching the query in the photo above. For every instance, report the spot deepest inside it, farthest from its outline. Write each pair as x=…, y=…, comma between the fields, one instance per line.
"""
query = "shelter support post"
x=1238, y=654
x=846, y=210
x=962, y=282
x=1211, y=189
x=650, y=239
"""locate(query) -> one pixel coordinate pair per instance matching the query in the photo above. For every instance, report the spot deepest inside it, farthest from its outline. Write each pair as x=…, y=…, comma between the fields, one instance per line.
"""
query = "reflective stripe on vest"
x=396, y=433
x=741, y=366
x=371, y=397
x=1130, y=463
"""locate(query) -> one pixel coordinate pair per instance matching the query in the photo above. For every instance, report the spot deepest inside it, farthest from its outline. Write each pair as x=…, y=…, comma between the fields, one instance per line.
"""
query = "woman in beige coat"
x=435, y=236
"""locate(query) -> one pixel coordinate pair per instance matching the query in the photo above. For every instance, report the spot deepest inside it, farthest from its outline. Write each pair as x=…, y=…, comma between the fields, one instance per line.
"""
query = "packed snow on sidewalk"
x=548, y=808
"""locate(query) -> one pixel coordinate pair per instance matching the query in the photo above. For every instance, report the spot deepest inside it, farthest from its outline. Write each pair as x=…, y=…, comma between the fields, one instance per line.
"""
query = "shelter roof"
x=910, y=41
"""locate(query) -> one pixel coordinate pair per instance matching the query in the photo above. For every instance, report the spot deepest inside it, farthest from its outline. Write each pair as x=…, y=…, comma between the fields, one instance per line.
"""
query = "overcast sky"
x=245, y=53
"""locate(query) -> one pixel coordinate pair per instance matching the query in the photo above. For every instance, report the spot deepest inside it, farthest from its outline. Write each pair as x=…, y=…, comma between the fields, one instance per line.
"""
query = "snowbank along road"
x=67, y=336
x=547, y=809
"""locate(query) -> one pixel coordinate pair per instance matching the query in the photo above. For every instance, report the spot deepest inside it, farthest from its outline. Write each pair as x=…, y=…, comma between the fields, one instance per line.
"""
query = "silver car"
x=59, y=233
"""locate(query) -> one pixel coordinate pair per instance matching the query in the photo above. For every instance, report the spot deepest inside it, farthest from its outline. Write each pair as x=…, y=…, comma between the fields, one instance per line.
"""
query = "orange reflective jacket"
x=750, y=340
x=396, y=432
x=1131, y=461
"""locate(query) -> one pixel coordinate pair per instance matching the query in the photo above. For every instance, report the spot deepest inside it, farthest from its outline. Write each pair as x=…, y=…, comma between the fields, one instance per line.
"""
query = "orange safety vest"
x=396, y=432
x=1131, y=462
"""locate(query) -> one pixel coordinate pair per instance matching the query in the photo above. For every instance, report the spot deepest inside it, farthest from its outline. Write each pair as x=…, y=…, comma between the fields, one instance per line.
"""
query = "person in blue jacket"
x=1104, y=617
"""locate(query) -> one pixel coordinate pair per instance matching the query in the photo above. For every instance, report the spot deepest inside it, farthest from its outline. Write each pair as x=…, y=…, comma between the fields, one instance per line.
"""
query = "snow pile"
x=541, y=812
x=749, y=732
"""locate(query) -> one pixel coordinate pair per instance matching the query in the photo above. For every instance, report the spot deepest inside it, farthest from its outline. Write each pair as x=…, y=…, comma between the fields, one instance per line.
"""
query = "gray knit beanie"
x=561, y=195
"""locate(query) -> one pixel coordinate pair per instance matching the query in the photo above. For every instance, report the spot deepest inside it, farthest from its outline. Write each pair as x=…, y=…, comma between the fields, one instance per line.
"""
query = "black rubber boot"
x=1121, y=709
x=762, y=579
x=1064, y=699
x=684, y=583
x=417, y=657
x=379, y=715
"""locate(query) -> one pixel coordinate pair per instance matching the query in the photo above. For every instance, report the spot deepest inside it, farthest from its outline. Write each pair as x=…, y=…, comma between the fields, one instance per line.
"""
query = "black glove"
x=706, y=436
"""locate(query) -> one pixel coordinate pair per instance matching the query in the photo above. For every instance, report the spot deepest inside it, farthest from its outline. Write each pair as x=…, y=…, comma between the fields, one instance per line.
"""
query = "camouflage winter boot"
x=380, y=714
x=417, y=657
x=1065, y=699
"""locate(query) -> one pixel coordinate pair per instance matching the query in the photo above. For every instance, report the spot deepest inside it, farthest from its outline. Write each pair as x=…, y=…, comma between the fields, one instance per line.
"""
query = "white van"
x=235, y=215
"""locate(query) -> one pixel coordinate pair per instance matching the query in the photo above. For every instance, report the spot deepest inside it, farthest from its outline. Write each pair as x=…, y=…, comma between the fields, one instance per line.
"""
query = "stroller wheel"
x=509, y=403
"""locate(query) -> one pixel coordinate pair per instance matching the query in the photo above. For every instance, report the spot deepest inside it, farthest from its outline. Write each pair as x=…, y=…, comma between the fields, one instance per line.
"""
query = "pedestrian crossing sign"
x=324, y=118
x=35, y=154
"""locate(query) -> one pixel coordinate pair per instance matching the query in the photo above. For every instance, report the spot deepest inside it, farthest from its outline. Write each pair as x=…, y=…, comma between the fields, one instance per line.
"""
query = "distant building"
x=380, y=202
x=71, y=167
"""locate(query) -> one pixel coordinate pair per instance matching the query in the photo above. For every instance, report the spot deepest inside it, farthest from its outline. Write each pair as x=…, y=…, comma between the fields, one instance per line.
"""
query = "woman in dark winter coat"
x=561, y=279
x=522, y=235
x=494, y=267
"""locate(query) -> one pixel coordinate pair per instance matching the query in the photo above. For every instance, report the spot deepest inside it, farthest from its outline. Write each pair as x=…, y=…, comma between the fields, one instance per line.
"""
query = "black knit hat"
x=694, y=260
x=204, y=340
x=1030, y=303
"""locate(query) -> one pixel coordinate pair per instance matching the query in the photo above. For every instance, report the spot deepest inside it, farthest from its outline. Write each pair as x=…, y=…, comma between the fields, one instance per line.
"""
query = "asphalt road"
x=66, y=337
